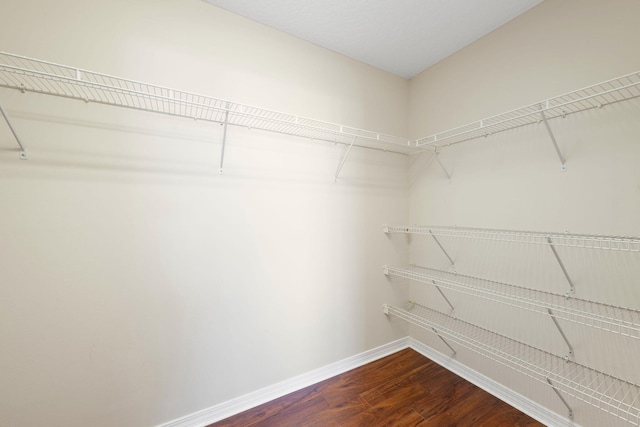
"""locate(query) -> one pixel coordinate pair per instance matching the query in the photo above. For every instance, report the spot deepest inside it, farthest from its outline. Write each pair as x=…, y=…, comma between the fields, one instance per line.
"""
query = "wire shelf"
x=33, y=75
x=618, y=397
x=613, y=243
x=595, y=96
x=620, y=320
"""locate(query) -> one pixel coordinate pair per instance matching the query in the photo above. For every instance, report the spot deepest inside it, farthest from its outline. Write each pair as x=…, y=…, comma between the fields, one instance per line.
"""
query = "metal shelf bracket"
x=561, y=398
x=444, y=341
x=224, y=139
x=443, y=295
x=570, y=355
x=23, y=152
x=572, y=288
x=437, y=158
x=563, y=166
x=442, y=248
x=344, y=159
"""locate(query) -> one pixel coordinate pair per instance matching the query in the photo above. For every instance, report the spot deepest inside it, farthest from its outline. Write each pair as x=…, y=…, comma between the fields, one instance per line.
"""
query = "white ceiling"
x=403, y=37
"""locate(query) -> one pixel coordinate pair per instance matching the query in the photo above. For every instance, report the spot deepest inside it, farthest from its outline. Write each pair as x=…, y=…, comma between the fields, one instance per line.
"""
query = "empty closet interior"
x=199, y=213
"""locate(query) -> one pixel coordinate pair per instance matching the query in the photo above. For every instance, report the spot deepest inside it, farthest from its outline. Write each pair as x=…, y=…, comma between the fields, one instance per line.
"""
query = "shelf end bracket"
x=23, y=152
x=561, y=398
x=563, y=166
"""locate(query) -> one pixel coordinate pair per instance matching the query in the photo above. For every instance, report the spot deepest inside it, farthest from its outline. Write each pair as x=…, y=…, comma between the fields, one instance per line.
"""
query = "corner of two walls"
x=513, y=180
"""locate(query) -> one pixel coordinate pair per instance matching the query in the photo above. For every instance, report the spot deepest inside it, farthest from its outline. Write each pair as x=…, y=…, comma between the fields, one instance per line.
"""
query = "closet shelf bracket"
x=436, y=155
x=570, y=355
x=442, y=248
x=572, y=288
x=435, y=331
x=563, y=166
x=23, y=152
x=561, y=398
x=344, y=159
x=224, y=138
x=443, y=296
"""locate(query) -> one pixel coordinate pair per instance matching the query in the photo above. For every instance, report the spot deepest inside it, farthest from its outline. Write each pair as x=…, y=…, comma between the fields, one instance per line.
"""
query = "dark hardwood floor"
x=404, y=389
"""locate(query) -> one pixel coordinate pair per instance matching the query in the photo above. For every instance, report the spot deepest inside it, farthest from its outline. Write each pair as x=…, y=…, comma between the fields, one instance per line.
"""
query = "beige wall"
x=556, y=47
x=137, y=285
x=513, y=180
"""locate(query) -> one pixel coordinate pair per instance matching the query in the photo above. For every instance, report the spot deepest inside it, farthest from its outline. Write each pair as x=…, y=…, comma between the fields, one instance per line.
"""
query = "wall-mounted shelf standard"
x=607, y=317
x=606, y=392
x=613, y=243
x=34, y=75
x=595, y=96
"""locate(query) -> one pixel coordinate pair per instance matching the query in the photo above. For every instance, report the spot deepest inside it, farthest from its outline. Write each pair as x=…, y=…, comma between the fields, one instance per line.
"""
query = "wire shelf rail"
x=610, y=318
x=618, y=397
x=595, y=96
x=613, y=243
x=34, y=75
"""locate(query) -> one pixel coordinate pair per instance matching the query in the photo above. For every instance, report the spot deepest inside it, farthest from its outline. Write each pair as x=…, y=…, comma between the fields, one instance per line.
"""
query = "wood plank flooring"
x=404, y=389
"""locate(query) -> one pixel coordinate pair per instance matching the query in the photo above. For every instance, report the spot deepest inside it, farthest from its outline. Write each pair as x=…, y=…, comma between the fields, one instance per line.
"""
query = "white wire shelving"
x=618, y=397
x=595, y=96
x=38, y=76
x=34, y=75
x=613, y=243
x=610, y=318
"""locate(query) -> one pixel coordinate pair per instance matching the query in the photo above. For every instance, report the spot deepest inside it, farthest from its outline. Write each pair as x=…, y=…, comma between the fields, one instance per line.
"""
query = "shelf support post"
x=344, y=159
x=23, y=152
x=443, y=295
x=561, y=398
x=436, y=156
x=444, y=341
x=442, y=248
x=224, y=138
x=572, y=288
x=564, y=337
x=563, y=166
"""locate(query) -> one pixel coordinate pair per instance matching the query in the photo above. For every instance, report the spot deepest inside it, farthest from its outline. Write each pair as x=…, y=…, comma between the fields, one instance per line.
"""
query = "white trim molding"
x=242, y=403
x=251, y=400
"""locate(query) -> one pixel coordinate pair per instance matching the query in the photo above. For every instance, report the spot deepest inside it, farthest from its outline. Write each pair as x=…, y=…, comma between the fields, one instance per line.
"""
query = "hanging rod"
x=610, y=318
x=614, y=243
x=616, y=396
x=595, y=96
x=34, y=75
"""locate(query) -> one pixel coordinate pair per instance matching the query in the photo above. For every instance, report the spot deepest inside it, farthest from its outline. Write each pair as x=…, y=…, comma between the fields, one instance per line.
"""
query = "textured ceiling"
x=403, y=37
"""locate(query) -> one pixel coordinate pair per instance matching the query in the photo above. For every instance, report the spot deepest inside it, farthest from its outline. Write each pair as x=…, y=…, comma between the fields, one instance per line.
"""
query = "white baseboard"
x=239, y=404
x=518, y=401
x=258, y=397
